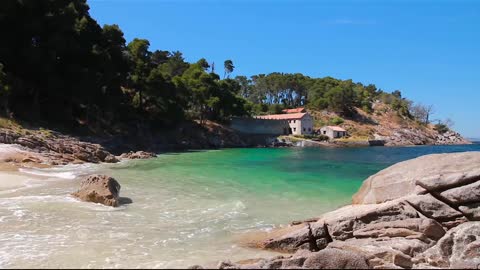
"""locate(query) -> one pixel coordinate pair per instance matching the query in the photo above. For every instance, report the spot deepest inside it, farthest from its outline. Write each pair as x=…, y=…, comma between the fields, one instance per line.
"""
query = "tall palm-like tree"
x=228, y=64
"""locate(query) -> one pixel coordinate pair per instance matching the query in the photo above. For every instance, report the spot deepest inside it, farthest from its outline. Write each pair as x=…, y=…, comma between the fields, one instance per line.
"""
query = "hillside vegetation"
x=59, y=68
x=384, y=123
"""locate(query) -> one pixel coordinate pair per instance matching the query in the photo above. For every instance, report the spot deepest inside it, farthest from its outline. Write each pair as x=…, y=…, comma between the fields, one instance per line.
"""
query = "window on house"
x=324, y=132
x=309, y=129
x=304, y=129
x=294, y=129
x=294, y=121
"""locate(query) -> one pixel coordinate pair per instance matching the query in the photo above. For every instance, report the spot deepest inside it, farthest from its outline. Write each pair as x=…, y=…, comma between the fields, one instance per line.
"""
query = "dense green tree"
x=57, y=64
x=341, y=100
x=5, y=90
x=229, y=67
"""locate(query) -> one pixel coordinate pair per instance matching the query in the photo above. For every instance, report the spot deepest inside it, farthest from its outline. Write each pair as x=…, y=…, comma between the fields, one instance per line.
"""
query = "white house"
x=333, y=132
x=298, y=123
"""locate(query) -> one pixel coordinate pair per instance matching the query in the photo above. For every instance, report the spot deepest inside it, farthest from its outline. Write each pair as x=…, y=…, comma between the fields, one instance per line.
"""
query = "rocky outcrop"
x=54, y=148
x=100, y=189
x=138, y=155
x=416, y=214
x=450, y=137
x=416, y=136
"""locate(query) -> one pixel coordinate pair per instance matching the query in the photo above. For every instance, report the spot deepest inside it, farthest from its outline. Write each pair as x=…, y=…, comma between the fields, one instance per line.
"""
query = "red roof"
x=296, y=110
x=289, y=116
x=336, y=128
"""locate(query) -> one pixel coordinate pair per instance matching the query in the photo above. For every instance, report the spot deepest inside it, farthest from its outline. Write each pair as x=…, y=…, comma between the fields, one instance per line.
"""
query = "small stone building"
x=333, y=132
x=298, y=123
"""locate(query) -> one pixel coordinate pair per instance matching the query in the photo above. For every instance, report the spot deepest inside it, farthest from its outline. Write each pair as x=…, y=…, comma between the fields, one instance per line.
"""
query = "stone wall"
x=259, y=126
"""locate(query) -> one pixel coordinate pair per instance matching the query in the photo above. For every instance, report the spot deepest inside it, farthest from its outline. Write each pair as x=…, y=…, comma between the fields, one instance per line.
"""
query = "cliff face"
x=385, y=124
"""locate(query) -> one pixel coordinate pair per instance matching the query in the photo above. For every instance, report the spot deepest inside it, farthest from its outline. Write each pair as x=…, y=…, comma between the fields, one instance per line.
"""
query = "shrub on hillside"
x=441, y=128
x=321, y=138
x=337, y=120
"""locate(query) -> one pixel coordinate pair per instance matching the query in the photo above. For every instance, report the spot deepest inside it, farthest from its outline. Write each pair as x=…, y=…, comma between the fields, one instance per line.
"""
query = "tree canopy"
x=57, y=64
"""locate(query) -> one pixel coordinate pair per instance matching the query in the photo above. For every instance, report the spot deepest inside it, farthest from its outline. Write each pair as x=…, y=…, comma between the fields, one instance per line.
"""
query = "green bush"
x=441, y=128
x=321, y=138
x=337, y=120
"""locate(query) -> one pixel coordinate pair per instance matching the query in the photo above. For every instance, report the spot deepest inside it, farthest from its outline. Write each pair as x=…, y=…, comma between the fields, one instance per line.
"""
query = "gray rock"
x=432, y=172
x=99, y=189
x=385, y=252
x=415, y=228
x=336, y=259
x=110, y=159
x=343, y=222
x=433, y=208
x=459, y=248
x=303, y=236
x=468, y=194
x=138, y=155
x=472, y=211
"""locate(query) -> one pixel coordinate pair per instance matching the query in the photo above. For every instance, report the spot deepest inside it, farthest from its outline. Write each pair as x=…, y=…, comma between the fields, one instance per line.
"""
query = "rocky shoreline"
x=54, y=148
x=421, y=213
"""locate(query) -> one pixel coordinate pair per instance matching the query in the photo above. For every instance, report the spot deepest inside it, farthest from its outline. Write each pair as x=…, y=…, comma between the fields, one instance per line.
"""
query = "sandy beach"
x=11, y=157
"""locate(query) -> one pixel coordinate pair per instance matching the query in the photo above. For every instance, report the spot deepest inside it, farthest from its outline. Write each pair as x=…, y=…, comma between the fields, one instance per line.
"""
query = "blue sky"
x=430, y=50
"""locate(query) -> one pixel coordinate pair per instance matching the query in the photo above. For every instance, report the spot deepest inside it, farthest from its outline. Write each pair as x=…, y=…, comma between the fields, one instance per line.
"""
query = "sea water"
x=188, y=208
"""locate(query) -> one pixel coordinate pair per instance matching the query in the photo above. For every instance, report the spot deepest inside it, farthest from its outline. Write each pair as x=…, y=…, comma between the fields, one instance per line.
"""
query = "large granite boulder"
x=429, y=173
x=388, y=235
x=99, y=189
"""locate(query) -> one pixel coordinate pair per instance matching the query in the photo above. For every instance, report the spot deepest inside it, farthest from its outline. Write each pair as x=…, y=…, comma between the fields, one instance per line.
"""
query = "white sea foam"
x=62, y=172
x=63, y=175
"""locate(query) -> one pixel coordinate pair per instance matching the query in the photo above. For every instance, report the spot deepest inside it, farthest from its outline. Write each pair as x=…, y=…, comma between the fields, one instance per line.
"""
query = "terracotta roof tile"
x=288, y=116
x=296, y=110
x=336, y=128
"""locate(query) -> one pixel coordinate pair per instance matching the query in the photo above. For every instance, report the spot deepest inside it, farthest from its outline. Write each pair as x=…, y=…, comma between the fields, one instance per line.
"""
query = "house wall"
x=301, y=126
x=307, y=124
x=296, y=126
x=326, y=131
x=259, y=126
x=332, y=134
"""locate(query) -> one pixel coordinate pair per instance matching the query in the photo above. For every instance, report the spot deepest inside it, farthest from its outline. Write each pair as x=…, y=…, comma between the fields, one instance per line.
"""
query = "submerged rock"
x=101, y=189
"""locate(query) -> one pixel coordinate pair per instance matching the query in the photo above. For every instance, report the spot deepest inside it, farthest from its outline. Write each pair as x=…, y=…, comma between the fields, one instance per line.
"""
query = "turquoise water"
x=325, y=178
x=189, y=208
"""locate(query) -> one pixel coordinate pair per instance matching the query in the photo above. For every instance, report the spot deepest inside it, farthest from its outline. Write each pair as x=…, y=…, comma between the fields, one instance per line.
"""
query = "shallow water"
x=189, y=208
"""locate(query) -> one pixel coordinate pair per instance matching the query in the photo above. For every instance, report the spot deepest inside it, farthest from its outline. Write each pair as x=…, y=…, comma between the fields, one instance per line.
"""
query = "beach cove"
x=188, y=208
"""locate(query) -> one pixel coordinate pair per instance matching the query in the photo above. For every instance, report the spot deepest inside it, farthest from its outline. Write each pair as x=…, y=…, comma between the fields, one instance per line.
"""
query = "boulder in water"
x=100, y=189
